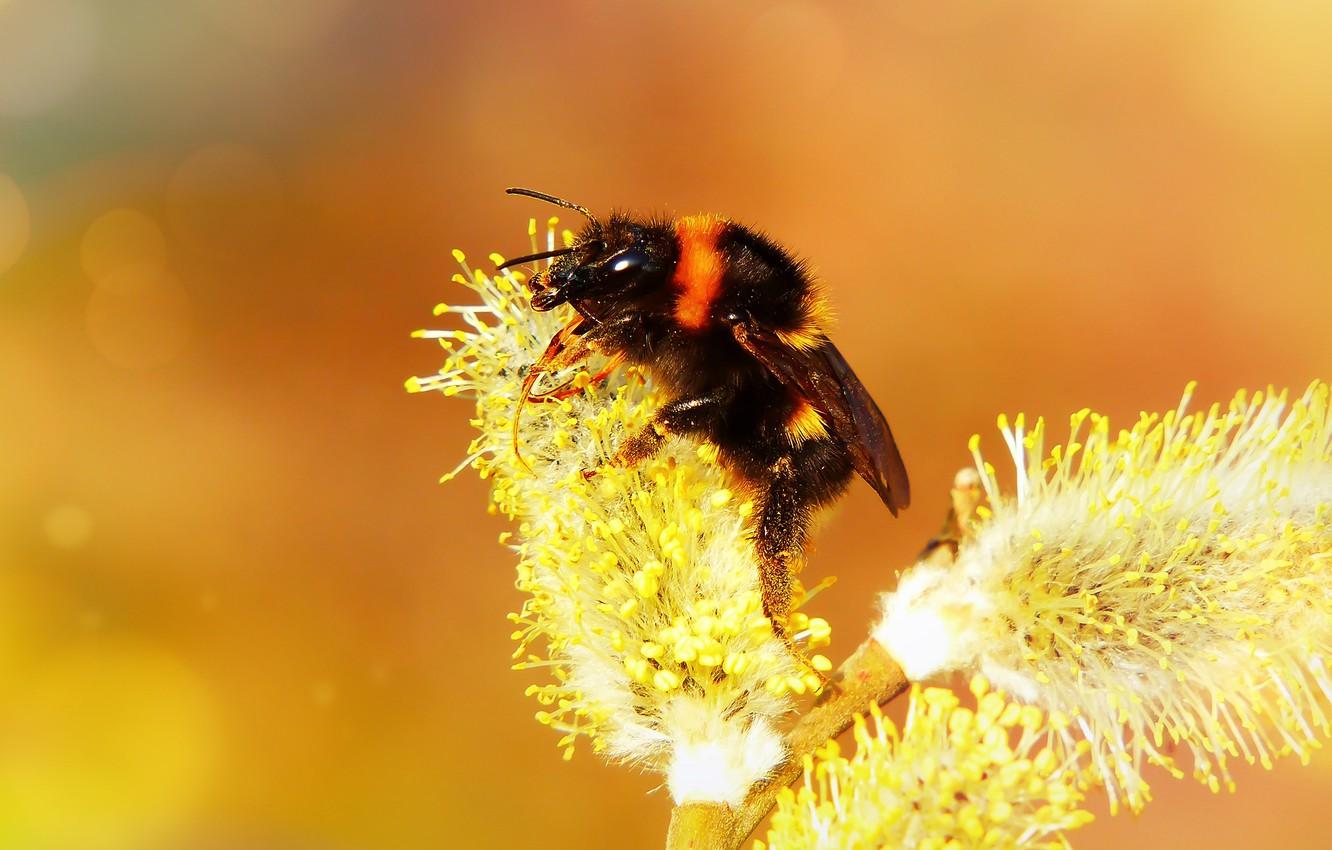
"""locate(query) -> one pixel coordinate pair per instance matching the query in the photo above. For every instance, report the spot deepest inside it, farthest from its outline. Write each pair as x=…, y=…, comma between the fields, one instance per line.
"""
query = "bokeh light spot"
x=120, y=239
x=46, y=49
x=225, y=200
x=67, y=526
x=15, y=224
x=109, y=746
x=139, y=317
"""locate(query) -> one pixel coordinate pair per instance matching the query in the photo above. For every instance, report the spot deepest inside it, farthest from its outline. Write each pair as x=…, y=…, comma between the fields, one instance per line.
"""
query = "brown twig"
x=701, y=826
x=965, y=497
x=870, y=675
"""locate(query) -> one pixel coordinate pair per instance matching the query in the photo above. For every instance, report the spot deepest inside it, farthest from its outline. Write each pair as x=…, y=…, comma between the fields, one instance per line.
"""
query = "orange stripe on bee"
x=698, y=271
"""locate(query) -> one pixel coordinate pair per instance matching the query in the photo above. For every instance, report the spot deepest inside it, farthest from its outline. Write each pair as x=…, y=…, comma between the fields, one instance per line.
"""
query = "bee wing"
x=826, y=380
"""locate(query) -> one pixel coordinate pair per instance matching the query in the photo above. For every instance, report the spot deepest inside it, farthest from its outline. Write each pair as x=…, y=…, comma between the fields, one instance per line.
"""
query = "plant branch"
x=701, y=826
x=869, y=675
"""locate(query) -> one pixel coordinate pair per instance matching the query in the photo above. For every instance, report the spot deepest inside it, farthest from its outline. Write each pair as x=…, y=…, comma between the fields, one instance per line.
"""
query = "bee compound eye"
x=628, y=261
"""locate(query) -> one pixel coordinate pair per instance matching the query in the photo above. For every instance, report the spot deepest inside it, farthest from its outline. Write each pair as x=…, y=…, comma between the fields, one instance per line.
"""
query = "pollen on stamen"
x=953, y=777
x=1162, y=586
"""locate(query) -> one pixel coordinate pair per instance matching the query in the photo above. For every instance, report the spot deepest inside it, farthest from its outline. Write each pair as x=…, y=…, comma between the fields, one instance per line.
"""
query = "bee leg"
x=573, y=386
x=641, y=446
x=690, y=415
x=802, y=479
x=779, y=541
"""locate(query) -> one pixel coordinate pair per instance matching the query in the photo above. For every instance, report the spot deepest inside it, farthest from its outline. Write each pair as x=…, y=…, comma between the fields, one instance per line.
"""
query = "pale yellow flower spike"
x=956, y=778
x=1159, y=588
x=642, y=596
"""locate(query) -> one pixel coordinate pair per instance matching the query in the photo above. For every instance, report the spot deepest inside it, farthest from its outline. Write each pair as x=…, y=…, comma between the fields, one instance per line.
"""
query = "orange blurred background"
x=236, y=610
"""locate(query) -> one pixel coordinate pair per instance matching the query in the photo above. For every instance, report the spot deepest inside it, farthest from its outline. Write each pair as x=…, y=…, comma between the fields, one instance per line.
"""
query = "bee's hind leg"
x=781, y=522
x=798, y=484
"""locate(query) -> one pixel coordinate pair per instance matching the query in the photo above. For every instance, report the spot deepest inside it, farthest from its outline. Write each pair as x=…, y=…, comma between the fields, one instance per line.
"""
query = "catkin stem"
x=870, y=675
x=701, y=826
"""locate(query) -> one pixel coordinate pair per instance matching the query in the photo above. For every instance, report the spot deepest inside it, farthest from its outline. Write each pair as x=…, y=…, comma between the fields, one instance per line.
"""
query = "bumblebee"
x=732, y=328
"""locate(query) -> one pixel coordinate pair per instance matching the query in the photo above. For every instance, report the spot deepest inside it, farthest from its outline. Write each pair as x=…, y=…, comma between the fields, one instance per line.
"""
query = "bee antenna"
x=559, y=202
x=540, y=255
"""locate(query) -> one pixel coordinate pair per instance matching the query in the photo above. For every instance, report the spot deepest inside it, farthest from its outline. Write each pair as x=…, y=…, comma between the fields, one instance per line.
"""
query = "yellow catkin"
x=956, y=777
x=1167, y=587
x=642, y=605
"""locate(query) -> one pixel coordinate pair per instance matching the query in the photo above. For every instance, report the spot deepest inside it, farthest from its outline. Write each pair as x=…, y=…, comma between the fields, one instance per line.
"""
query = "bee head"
x=608, y=266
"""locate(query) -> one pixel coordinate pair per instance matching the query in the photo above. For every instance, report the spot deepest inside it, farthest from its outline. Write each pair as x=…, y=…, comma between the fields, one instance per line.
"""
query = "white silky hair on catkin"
x=924, y=621
x=715, y=758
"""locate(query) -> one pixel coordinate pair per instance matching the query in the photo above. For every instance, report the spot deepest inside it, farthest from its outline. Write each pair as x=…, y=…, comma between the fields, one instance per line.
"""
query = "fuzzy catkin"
x=642, y=605
x=954, y=778
x=1168, y=584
